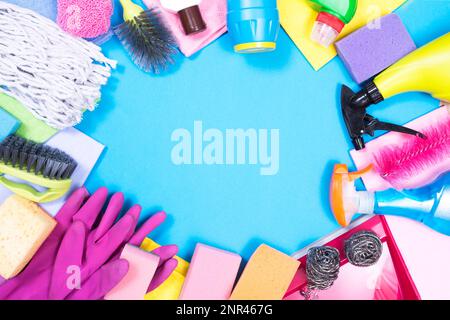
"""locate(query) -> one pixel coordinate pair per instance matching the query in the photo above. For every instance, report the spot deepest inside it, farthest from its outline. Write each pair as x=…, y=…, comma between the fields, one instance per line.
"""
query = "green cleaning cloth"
x=31, y=128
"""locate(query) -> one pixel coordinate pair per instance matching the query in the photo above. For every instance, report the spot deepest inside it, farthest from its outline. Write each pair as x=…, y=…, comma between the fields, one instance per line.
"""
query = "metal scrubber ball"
x=322, y=267
x=363, y=249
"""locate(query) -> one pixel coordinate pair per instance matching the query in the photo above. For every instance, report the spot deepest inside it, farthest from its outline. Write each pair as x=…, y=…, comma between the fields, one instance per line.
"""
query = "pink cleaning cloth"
x=373, y=181
x=85, y=18
x=214, y=14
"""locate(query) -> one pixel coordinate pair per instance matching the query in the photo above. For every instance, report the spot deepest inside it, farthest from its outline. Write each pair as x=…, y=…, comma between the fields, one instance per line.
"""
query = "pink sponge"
x=85, y=18
x=134, y=286
x=371, y=49
x=211, y=275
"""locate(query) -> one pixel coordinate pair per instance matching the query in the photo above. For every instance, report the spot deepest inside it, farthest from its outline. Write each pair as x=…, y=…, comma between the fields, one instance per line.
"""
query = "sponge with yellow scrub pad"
x=267, y=275
x=24, y=226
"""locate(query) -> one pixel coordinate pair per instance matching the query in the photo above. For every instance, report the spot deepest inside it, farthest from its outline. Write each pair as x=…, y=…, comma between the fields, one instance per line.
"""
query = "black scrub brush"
x=39, y=165
x=146, y=37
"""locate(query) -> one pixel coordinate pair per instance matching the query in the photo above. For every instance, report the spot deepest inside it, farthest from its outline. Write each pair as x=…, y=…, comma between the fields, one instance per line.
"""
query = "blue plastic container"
x=253, y=25
x=429, y=205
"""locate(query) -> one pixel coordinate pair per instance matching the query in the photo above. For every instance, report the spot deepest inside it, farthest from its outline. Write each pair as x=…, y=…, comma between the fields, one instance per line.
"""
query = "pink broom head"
x=428, y=157
x=85, y=18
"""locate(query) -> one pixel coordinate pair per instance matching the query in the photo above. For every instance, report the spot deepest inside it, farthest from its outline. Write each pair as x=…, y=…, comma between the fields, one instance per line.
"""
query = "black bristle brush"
x=147, y=39
x=36, y=158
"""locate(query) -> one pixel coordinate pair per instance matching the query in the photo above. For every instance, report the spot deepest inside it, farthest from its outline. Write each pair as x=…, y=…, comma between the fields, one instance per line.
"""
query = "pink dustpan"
x=388, y=279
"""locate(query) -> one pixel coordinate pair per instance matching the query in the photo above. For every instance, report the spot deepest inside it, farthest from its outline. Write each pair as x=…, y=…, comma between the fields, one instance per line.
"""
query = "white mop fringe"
x=55, y=75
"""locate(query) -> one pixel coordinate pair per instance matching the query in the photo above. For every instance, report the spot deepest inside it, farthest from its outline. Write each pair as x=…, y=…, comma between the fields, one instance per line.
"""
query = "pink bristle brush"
x=397, y=164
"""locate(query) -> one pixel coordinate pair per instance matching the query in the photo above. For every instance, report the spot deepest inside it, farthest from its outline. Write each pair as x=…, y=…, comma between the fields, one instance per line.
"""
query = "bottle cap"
x=326, y=29
x=192, y=20
x=345, y=200
x=331, y=20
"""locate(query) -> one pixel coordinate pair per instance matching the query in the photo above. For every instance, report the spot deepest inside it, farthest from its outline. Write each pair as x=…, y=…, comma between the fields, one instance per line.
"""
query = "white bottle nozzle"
x=323, y=34
x=326, y=29
x=366, y=202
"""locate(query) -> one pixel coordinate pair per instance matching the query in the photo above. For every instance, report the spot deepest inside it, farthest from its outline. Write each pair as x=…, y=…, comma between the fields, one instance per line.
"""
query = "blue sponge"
x=8, y=124
x=371, y=49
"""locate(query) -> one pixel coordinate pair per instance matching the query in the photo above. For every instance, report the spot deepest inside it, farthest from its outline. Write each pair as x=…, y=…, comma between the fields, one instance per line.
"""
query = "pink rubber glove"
x=105, y=244
x=67, y=269
x=41, y=281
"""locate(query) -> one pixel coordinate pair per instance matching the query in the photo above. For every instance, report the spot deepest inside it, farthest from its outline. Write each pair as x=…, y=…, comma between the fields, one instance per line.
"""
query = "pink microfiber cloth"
x=85, y=18
x=213, y=12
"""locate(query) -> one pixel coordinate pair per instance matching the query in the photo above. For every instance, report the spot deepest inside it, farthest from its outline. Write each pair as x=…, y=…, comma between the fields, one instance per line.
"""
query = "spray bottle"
x=429, y=205
x=332, y=18
x=426, y=69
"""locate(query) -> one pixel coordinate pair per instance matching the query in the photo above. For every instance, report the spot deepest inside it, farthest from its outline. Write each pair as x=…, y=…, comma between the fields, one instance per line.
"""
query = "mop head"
x=85, y=18
x=55, y=75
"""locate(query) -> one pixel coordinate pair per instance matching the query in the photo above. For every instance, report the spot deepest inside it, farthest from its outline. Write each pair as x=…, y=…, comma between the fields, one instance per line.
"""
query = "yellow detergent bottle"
x=426, y=69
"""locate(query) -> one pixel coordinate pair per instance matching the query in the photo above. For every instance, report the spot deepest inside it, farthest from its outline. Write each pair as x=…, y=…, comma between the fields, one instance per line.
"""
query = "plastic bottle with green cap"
x=332, y=18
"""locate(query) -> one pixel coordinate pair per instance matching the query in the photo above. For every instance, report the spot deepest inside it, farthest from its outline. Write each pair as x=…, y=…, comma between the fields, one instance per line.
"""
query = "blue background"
x=233, y=207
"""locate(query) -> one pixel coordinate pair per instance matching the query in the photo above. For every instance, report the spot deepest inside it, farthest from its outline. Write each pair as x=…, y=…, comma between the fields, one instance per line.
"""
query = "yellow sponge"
x=267, y=275
x=24, y=226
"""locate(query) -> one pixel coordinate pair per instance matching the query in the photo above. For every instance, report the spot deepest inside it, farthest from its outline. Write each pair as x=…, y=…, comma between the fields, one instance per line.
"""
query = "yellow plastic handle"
x=427, y=69
x=28, y=192
x=130, y=10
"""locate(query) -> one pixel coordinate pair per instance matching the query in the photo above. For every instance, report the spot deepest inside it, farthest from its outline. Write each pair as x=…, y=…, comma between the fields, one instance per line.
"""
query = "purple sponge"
x=371, y=49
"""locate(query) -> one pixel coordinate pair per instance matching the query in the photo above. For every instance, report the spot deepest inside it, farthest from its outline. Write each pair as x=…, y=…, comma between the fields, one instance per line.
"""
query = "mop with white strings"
x=55, y=75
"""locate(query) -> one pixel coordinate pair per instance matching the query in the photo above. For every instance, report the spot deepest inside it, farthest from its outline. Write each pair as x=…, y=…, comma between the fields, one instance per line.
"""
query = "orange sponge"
x=267, y=275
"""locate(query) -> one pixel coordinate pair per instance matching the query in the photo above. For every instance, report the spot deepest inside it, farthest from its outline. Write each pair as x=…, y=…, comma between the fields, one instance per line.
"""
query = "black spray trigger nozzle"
x=358, y=122
x=376, y=125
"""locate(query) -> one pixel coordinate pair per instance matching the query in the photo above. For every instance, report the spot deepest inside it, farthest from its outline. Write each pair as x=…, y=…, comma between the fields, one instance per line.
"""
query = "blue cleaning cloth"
x=8, y=124
x=47, y=8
